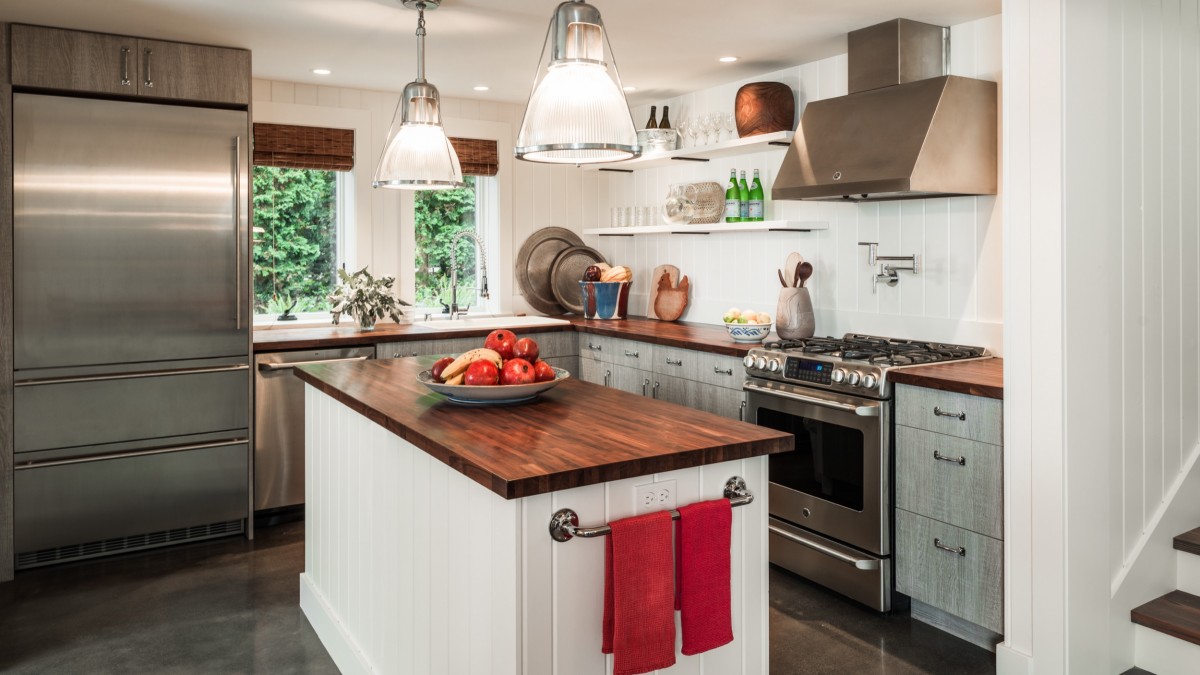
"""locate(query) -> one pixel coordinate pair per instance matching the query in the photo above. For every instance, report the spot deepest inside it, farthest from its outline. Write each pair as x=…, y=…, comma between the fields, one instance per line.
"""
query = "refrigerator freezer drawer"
x=104, y=498
x=139, y=406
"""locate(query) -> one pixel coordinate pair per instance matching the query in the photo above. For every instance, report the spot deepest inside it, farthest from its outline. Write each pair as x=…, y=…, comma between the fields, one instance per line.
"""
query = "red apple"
x=482, y=374
x=526, y=348
x=543, y=372
x=517, y=371
x=496, y=339
x=439, y=366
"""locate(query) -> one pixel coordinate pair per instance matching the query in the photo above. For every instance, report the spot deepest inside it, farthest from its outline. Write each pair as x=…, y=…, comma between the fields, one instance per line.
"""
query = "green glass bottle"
x=756, y=198
x=733, y=200
x=744, y=199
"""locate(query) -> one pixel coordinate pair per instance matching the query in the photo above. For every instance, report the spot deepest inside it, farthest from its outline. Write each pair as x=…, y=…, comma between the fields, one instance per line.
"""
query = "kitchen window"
x=300, y=182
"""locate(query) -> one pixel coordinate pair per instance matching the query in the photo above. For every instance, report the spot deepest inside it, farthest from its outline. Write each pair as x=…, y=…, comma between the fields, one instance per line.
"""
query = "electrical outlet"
x=654, y=497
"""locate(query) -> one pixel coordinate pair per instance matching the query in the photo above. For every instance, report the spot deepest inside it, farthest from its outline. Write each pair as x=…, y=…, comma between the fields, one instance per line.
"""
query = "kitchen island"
x=426, y=539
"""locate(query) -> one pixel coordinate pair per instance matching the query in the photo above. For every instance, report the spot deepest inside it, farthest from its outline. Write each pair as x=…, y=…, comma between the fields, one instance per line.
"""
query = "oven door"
x=836, y=482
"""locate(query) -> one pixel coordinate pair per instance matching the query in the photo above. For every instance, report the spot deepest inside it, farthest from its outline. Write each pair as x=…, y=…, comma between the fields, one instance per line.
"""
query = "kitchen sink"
x=491, y=322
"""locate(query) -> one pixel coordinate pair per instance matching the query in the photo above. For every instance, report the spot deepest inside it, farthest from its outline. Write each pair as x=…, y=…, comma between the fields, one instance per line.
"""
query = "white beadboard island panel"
x=410, y=567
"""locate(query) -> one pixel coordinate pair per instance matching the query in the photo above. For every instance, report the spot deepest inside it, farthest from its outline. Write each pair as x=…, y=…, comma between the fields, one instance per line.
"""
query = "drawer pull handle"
x=674, y=362
x=727, y=371
x=654, y=391
x=742, y=411
x=125, y=82
x=607, y=376
x=961, y=461
x=629, y=353
x=942, y=413
x=595, y=348
x=949, y=549
x=645, y=383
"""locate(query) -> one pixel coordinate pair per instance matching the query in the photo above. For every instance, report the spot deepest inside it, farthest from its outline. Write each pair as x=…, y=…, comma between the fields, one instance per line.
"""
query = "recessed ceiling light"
x=728, y=59
x=629, y=88
x=322, y=71
x=482, y=87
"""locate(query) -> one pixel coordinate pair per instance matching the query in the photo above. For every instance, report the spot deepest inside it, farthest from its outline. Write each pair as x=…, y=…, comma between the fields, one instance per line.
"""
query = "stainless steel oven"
x=830, y=499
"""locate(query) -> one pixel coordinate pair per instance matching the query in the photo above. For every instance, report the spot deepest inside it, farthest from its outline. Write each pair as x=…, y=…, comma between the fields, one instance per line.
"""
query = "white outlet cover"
x=653, y=497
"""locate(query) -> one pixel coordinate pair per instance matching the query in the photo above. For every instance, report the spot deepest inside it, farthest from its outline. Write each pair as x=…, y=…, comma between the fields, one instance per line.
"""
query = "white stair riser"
x=1187, y=576
x=1162, y=654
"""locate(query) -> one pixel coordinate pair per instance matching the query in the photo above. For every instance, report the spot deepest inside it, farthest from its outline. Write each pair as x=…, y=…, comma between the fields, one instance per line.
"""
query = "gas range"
x=853, y=364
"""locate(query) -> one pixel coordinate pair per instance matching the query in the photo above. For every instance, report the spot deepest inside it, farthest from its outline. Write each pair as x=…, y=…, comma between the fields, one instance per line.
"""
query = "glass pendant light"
x=577, y=112
x=417, y=155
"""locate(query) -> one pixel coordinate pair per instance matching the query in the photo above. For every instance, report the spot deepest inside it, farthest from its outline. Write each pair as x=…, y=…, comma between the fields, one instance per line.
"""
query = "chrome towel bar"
x=564, y=524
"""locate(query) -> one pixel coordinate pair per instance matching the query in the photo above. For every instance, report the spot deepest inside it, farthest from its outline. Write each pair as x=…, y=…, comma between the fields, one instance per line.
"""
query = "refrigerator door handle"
x=129, y=376
x=237, y=231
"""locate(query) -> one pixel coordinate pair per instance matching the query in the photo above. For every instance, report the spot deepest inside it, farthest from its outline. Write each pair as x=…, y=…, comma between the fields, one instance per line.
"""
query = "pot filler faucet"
x=483, y=287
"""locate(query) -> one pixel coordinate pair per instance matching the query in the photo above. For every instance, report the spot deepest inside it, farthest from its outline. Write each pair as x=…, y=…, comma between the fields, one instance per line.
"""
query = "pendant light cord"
x=420, y=42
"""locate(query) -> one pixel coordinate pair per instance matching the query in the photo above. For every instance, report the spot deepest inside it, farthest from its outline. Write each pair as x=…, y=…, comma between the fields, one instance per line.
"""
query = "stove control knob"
x=838, y=375
x=869, y=381
x=852, y=378
x=773, y=365
x=748, y=361
x=760, y=363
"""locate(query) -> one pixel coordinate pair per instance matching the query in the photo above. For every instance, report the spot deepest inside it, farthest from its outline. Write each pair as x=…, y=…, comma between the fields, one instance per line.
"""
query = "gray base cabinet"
x=949, y=552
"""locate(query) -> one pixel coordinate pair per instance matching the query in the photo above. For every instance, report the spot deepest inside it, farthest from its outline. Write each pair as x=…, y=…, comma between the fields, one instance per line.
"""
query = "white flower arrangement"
x=365, y=298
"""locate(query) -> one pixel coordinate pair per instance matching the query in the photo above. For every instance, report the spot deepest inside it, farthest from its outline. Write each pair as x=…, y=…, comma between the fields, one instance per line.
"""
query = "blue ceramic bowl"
x=748, y=332
x=605, y=299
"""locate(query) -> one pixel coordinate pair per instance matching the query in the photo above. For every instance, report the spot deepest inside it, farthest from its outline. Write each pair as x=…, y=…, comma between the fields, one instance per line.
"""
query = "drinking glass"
x=709, y=127
x=729, y=122
x=683, y=127
x=614, y=217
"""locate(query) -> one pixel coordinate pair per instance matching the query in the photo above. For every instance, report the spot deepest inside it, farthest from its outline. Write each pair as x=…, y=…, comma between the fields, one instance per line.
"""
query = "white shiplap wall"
x=956, y=298
x=411, y=567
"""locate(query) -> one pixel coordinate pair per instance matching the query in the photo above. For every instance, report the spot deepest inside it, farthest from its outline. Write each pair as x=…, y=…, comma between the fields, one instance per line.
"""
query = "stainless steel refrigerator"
x=132, y=329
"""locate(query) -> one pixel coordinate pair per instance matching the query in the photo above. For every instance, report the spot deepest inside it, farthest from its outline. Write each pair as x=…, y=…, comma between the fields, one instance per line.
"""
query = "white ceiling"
x=662, y=47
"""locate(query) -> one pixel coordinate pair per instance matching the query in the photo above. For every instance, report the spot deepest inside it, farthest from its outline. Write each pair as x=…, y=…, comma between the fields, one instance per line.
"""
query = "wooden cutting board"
x=654, y=277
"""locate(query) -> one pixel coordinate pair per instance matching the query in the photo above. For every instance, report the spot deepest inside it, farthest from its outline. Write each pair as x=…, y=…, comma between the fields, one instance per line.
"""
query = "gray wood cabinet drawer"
x=672, y=389
x=594, y=348
x=966, y=581
x=723, y=371
x=951, y=479
x=616, y=350
x=676, y=362
x=551, y=345
x=567, y=363
x=722, y=401
x=945, y=412
x=400, y=350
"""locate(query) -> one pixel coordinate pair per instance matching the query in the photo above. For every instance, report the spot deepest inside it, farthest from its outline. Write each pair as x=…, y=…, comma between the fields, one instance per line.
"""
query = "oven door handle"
x=859, y=563
x=869, y=410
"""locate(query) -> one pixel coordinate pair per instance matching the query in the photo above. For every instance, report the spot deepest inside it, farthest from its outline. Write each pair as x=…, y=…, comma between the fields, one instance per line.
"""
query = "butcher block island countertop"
x=427, y=524
x=576, y=434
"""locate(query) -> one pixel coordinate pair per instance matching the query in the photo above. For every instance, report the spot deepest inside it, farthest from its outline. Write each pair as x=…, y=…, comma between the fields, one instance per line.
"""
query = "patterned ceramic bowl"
x=748, y=332
x=605, y=299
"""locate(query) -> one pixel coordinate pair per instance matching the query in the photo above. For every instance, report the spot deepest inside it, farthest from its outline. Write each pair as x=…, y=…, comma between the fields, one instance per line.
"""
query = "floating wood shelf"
x=704, y=153
x=759, y=226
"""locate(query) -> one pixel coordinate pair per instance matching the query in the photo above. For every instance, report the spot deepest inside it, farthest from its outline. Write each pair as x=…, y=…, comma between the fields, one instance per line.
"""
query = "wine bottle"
x=666, y=121
x=756, y=198
x=743, y=199
x=733, y=199
x=652, y=124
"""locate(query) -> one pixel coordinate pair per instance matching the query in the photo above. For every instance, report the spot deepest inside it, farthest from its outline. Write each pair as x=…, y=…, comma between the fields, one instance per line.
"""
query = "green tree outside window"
x=439, y=215
x=295, y=257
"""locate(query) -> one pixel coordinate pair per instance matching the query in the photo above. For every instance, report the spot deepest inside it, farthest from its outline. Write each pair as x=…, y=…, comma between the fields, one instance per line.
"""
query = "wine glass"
x=683, y=127
x=730, y=124
x=712, y=126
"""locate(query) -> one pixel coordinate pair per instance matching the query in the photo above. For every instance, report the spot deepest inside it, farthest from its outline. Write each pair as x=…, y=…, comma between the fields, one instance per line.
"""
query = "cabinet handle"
x=125, y=81
x=149, y=80
x=629, y=353
x=961, y=461
x=595, y=348
x=742, y=411
x=607, y=375
x=942, y=413
x=674, y=362
x=949, y=549
x=402, y=355
x=237, y=226
x=645, y=383
x=654, y=392
x=718, y=371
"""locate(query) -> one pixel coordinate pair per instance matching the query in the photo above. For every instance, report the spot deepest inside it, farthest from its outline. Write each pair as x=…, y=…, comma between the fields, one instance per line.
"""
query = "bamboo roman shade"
x=297, y=147
x=477, y=157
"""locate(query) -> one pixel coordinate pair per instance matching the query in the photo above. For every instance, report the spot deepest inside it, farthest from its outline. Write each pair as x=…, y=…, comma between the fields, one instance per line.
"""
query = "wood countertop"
x=698, y=336
x=575, y=434
x=984, y=377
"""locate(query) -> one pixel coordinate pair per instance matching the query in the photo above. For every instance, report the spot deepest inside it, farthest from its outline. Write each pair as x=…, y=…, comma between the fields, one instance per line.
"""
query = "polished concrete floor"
x=231, y=606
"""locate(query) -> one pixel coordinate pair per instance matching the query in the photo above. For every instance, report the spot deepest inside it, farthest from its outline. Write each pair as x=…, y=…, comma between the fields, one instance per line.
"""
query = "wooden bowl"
x=764, y=108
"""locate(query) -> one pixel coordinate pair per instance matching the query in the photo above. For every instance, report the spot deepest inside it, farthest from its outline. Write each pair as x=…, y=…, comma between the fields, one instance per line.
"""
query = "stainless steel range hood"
x=907, y=130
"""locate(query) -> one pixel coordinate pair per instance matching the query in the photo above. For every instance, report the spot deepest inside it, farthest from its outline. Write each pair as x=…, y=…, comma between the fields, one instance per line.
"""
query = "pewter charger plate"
x=567, y=272
x=495, y=395
x=534, y=262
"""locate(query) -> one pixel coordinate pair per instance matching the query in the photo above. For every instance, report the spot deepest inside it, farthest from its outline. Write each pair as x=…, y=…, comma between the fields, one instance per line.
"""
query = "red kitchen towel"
x=639, y=621
x=702, y=571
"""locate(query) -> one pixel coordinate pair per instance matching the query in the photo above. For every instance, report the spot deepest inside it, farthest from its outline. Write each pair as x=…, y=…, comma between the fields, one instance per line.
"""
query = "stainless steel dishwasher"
x=279, y=422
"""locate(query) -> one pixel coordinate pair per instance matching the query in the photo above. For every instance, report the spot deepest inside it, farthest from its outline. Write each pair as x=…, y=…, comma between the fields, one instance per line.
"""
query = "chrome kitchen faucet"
x=483, y=286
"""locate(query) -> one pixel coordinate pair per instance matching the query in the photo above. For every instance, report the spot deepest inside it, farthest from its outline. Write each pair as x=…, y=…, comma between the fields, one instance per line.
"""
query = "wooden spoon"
x=781, y=279
x=804, y=271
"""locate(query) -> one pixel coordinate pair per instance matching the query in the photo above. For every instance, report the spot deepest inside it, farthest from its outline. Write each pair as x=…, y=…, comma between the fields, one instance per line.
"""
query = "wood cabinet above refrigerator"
x=79, y=61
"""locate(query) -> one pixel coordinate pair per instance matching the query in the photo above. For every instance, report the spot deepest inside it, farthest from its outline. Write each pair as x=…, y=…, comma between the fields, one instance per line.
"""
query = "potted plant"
x=365, y=298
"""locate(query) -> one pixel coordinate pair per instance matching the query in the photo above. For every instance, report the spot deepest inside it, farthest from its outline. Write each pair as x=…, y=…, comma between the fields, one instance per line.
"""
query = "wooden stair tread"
x=1189, y=542
x=1177, y=614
